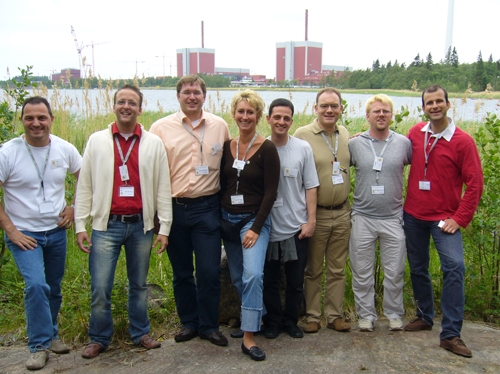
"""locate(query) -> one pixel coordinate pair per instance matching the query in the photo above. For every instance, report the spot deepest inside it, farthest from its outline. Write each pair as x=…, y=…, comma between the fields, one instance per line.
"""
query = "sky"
x=142, y=37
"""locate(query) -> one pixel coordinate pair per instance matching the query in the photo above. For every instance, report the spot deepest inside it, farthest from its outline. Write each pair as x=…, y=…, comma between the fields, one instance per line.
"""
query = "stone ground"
x=327, y=351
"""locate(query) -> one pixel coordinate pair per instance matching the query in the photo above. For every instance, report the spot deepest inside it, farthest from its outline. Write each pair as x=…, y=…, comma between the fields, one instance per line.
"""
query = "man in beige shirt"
x=193, y=140
x=330, y=240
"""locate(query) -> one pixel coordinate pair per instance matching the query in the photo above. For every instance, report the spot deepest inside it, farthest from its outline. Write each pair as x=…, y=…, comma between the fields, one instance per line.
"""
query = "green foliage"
x=482, y=236
x=17, y=94
x=16, y=91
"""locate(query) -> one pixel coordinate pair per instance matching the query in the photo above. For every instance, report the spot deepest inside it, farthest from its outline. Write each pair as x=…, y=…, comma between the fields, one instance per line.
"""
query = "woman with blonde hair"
x=249, y=181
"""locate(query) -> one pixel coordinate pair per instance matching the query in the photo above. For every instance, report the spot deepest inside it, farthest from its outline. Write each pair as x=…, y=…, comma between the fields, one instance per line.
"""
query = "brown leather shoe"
x=92, y=350
x=149, y=343
x=312, y=327
x=339, y=325
x=417, y=324
x=457, y=346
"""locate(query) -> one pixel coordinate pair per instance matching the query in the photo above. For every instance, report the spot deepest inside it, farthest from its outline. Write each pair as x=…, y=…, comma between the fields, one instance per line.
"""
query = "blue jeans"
x=42, y=269
x=104, y=253
x=247, y=271
x=451, y=254
x=196, y=229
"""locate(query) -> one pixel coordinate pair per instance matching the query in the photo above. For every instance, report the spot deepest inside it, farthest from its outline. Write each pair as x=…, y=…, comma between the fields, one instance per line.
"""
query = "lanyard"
x=387, y=141
x=40, y=174
x=244, y=157
x=426, y=154
x=200, y=140
x=334, y=151
x=124, y=160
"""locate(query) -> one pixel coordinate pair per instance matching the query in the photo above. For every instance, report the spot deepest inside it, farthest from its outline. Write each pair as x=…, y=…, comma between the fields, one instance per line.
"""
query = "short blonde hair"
x=251, y=97
x=381, y=98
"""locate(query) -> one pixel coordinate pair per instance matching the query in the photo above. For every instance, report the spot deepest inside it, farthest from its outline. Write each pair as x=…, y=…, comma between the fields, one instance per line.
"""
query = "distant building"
x=339, y=70
x=296, y=60
x=195, y=61
x=65, y=75
x=232, y=73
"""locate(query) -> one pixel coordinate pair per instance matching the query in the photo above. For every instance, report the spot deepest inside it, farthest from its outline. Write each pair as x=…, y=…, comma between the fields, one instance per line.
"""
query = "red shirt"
x=121, y=204
x=452, y=164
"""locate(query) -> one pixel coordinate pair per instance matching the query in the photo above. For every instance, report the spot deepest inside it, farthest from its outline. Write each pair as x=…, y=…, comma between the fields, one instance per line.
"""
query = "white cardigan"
x=95, y=183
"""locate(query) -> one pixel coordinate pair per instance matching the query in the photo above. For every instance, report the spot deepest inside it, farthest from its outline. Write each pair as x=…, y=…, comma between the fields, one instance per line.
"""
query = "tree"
x=479, y=74
x=376, y=65
x=447, y=58
x=428, y=62
x=416, y=61
x=454, y=58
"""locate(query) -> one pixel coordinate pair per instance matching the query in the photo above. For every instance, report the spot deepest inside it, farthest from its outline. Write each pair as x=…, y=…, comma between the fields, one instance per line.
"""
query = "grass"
x=75, y=310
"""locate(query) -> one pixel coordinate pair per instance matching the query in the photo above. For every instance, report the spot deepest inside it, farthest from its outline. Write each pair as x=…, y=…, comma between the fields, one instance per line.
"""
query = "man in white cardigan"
x=124, y=180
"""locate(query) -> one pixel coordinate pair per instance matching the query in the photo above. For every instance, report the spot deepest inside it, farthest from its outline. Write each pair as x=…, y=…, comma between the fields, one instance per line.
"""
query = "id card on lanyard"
x=239, y=165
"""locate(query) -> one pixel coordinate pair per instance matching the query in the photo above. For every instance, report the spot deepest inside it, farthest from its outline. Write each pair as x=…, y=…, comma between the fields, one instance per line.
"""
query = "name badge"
x=377, y=163
x=46, y=207
x=337, y=179
x=278, y=202
x=201, y=170
x=57, y=163
x=126, y=191
x=238, y=164
x=336, y=168
x=216, y=148
x=288, y=172
x=377, y=190
x=124, y=173
x=237, y=199
x=424, y=185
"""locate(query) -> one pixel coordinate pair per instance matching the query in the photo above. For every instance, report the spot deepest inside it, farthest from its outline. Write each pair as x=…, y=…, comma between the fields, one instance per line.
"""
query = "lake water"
x=217, y=101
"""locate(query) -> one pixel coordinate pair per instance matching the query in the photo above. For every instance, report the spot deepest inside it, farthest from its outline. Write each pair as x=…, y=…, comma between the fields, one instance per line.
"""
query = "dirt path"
x=324, y=352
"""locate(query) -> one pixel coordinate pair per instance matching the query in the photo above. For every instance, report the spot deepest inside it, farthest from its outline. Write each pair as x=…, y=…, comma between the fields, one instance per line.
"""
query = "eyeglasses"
x=189, y=93
x=381, y=111
x=326, y=106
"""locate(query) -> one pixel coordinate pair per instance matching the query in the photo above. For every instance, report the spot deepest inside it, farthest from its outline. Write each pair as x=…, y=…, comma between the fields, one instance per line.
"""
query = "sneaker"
x=396, y=324
x=37, y=360
x=57, y=346
x=365, y=325
x=312, y=327
x=457, y=346
x=417, y=324
x=339, y=325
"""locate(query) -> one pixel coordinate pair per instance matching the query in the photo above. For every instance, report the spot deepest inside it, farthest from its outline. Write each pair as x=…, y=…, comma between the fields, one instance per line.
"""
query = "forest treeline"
x=478, y=76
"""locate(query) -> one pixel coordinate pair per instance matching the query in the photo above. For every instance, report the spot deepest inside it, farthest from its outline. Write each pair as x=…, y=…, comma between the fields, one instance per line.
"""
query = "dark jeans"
x=196, y=229
x=294, y=294
x=451, y=255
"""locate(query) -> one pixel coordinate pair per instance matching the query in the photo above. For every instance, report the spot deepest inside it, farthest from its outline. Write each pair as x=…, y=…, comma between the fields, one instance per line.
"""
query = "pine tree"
x=447, y=58
x=454, y=58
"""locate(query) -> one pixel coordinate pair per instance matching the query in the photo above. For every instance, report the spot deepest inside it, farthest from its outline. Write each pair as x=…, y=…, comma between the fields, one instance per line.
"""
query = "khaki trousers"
x=329, y=243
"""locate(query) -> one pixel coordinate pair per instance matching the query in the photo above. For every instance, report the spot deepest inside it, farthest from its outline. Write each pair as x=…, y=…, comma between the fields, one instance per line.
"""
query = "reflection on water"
x=100, y=101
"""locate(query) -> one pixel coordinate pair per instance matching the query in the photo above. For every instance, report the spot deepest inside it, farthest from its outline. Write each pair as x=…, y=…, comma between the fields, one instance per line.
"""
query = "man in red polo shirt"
x=444, y=160
x=122, y=211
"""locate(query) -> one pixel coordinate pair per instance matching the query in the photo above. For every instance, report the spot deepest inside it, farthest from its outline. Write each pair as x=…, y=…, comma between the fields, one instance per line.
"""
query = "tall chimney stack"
x=306, y=22
x=202, y=35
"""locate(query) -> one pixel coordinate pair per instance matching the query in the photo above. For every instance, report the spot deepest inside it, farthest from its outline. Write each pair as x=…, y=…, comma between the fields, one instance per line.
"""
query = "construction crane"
x=79, y=48
x=93, y=61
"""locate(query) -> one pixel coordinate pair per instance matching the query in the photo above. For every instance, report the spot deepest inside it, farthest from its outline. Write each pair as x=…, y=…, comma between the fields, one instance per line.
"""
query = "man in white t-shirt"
x=35, y=217
x=293, y=220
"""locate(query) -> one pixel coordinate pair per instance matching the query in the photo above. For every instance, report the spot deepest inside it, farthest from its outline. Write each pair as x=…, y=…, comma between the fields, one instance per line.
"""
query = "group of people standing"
x=289, y=194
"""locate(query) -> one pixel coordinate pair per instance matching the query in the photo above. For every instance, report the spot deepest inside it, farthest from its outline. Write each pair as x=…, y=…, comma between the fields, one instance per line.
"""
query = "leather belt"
x=126, y=218
x=332, y=207
x=188, y=200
